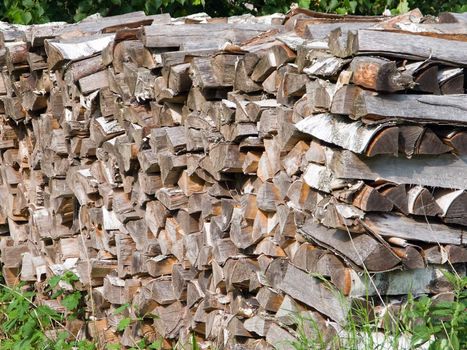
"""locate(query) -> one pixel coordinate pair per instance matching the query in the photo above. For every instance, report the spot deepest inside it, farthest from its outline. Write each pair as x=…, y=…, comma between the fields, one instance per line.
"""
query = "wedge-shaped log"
x=361, y=249
x=305, y=288
x=351, y=135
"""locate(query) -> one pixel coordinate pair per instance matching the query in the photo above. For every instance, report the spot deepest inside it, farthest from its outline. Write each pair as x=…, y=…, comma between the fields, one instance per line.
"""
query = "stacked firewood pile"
x=206, y=171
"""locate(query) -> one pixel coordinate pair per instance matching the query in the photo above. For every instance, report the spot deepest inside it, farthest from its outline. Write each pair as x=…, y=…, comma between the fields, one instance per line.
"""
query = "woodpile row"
x=211, y=173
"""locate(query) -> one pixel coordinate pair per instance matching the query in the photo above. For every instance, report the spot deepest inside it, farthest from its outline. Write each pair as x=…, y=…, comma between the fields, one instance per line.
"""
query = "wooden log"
x=361, y=250
x=433, y=172
x=409, y=139
x=321, y=30
x=417, y=108
x=309, y=290
x=379, y=74
x=422, y=202
x=410, y=229
x=326, y=67
x=451, y=17
x=427, y=280
x=74, y=49
x=271, y=60
x=397, y=195
x=402, y=45
x=184, y=37
x=451, y=81
x=354, y=136
x=369, y=199
x=451, y=204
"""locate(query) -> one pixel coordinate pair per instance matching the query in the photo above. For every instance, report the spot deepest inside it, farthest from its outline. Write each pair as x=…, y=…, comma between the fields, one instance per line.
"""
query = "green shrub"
x=422, y=321
x=25, y=325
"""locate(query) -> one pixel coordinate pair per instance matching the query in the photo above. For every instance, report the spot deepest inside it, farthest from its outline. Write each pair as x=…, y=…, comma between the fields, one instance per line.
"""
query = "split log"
x=354, y=136
x=411, y=229
x=361, y=250
x=402, y=45
x=443, y=171
x=306, y=289
x=379, y=74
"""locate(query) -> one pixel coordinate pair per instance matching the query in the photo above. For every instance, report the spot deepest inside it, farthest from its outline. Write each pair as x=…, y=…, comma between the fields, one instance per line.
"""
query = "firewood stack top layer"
x=204, y=170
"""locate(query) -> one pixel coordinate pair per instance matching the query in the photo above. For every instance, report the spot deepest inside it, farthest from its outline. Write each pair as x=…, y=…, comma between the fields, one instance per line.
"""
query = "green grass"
x=417, y=323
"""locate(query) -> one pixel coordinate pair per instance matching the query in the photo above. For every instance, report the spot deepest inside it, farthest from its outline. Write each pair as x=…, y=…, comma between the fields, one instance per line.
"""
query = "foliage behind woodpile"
x=42, y=11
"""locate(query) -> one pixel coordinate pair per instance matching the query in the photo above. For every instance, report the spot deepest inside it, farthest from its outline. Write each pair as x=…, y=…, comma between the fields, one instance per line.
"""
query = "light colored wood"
x=403, y=45
x=362, y=249
x=441, y=171
x=306, y=289
x=411, y=229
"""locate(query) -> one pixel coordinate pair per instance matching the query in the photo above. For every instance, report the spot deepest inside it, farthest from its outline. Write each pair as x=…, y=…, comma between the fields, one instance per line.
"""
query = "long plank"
x=406, y=45
x=106, y=24
x=450, y=31
x=442, y=109
x=445, y=171
x=389, y=225
x=200, y=36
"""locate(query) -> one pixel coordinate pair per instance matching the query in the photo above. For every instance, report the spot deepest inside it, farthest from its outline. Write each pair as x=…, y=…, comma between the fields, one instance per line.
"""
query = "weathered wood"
x=362, y=250
x=379, y=74
x=416, y=108
x=203, y=170
x=306, y=289
x=421, y=202
x=75, y=49
x=403, y=45
x=427, y=280
x=185, y=37
x=451, y=17
x=452, y=206
x=443, y=171
x=354, y=136
x=387, y=225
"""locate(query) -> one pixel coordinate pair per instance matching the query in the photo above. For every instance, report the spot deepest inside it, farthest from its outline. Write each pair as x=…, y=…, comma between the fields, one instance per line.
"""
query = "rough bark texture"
x=206, y=171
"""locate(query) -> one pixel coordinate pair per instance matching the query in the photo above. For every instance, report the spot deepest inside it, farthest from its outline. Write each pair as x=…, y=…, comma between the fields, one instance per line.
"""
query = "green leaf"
x=341, y=11
x=332, y=5
x=304, y=3
x=53, y=281
x=69, y=277
x=28, y=3
x=57, y=294
x=71, y=301
x=403, y=6
x=455, y=342
x=156, y=345
x=421, y=334
x=26, y=17
x=194, y=343
x=122, y=308
x=125, y=322
x=113, y=346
